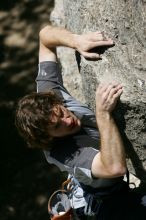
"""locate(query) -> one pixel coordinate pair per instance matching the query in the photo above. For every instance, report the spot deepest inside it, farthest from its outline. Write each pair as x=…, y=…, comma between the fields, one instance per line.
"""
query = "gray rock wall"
x=71, y=77
x=125, y=22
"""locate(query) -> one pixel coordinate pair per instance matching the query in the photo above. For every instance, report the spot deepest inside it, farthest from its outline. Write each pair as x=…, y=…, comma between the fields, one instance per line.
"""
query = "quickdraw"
x=59, y=206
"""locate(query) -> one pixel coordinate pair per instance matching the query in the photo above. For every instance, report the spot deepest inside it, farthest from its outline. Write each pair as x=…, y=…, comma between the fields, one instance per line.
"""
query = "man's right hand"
x=110, y=161
x=107, y=96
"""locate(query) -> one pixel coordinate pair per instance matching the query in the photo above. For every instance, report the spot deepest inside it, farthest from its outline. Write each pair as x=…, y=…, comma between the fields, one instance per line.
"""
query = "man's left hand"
x=86, y=42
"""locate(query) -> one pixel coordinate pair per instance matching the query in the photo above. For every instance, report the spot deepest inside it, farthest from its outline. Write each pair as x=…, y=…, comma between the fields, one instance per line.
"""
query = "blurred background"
x=26, y=179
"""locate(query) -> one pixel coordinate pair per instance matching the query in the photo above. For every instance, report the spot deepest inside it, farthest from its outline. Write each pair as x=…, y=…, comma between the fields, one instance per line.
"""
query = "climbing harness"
x=61, y=208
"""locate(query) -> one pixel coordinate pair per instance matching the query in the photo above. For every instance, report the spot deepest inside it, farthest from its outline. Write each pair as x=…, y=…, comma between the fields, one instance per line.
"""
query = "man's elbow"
x=118, y=170
x=109, y=170
x=41, y=33
x=44, y=31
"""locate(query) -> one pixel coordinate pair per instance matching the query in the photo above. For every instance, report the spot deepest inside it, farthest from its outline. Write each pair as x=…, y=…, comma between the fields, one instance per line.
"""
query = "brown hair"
x=32, y=118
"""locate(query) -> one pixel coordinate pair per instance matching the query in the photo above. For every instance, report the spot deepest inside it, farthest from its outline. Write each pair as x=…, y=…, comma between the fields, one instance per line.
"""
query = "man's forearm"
x=112, y=147
x=110, y=161
x=51, y=36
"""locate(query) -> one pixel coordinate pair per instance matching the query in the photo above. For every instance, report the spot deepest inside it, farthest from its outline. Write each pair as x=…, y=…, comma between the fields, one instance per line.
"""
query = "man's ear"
x=55, y=109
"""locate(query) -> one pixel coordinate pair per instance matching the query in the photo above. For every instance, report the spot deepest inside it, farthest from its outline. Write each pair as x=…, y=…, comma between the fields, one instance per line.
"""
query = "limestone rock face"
x=125, y=22
x=71, y=77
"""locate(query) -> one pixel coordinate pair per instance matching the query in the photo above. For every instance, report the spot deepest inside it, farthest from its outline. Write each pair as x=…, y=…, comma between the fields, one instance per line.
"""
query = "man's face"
x=63, y=122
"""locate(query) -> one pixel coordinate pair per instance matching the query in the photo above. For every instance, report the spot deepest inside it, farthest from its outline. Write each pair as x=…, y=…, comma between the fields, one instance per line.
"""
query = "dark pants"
x=121, y=206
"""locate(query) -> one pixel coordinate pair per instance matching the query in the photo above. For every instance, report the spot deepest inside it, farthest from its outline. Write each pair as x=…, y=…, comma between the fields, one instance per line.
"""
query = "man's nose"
x=66, y=120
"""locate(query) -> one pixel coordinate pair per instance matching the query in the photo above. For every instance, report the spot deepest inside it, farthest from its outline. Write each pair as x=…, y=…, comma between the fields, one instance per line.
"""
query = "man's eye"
x=61, y=114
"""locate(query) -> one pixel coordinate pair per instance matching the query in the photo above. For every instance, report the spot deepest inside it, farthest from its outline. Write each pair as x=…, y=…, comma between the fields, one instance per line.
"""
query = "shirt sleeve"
x=49, y=76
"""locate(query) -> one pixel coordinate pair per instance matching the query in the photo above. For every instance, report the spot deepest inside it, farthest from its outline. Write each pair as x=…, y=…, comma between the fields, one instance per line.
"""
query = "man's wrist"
x=76, y=41
x=105, y=122
x=103, y=115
